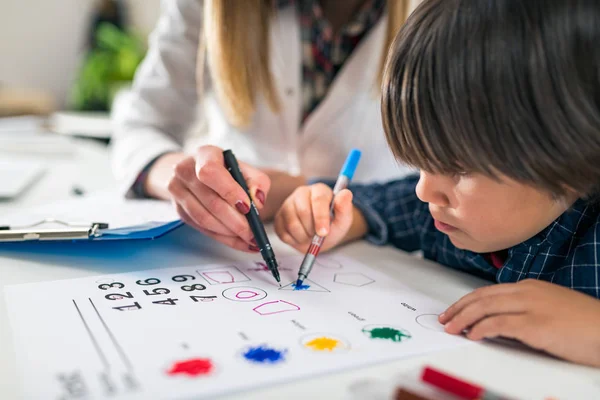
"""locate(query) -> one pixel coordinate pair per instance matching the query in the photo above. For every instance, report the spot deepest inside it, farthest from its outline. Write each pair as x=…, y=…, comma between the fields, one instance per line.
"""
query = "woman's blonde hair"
x=235, y=45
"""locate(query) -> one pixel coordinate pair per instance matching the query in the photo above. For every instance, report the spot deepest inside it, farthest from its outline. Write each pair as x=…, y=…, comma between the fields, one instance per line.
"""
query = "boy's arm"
x=390, y=213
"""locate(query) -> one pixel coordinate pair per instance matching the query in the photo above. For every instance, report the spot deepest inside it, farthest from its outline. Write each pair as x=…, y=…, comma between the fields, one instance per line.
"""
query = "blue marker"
x=342, y=182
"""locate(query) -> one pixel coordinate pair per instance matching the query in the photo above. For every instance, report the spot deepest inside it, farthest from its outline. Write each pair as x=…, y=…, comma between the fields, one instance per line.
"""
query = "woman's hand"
x=306, y=213
x=545, y=316
x=207, y=197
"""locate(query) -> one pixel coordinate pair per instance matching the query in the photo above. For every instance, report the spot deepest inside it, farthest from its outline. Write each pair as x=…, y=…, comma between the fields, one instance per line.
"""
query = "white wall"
x=41, y=41
x=144, y=14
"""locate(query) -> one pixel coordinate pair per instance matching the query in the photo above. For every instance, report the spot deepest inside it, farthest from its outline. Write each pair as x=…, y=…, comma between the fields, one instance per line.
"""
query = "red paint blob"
x=192, y=367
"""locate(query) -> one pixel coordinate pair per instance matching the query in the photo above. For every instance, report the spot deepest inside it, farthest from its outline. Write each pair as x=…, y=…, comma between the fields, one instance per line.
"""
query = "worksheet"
x=209, y=330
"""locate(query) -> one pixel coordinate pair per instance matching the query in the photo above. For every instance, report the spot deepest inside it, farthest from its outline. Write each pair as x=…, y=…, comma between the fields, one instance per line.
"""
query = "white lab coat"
x=156, y=115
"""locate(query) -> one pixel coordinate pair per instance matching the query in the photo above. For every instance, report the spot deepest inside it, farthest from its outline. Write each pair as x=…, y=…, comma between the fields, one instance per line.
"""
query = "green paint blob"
x=387, y=333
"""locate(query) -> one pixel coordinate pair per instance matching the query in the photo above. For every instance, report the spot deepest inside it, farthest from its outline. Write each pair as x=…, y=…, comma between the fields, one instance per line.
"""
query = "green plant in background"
x=106, y=68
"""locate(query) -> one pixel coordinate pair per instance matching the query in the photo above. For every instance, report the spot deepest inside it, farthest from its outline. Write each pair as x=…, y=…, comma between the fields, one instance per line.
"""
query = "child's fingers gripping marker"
x=321, y=196
x=342, y=219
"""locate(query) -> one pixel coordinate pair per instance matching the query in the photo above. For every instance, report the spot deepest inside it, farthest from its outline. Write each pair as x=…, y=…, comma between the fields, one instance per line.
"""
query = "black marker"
x=256, y=224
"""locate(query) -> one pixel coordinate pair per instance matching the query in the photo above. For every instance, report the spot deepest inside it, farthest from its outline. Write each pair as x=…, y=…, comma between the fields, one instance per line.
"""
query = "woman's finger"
x=232, y=241
x=211, y=211
x=210, y=170
x=185, y=217
x=194, y=210
x=258, y=183
x=233, y=220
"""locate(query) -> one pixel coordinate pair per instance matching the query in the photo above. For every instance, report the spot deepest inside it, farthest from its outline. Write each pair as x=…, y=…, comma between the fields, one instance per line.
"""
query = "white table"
x=513, y=371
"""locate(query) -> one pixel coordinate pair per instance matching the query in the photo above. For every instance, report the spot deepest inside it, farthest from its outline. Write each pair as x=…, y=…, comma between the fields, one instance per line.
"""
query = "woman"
x=289, y=86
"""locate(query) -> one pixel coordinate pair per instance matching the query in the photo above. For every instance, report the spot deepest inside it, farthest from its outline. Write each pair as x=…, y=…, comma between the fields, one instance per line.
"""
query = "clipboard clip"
x=71, y=230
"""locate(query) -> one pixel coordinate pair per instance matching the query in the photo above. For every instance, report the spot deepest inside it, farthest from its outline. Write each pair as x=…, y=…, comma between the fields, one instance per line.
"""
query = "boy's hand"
x=306, y=213
x=282, y=186
x=548, y=317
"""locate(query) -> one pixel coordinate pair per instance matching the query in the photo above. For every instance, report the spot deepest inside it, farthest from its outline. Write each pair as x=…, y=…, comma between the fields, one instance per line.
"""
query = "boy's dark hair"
x=507, y=87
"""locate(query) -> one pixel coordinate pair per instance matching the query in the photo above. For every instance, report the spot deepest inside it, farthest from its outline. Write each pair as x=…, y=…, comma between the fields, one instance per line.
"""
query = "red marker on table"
x=458, y=387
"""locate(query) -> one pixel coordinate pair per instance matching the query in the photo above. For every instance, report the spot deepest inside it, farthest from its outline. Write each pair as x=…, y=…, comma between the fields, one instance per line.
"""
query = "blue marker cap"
x=351, y=163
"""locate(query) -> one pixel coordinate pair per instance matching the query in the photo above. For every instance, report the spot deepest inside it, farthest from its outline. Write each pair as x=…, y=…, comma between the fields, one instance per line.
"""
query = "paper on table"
x=209, y=330
x=115, y=210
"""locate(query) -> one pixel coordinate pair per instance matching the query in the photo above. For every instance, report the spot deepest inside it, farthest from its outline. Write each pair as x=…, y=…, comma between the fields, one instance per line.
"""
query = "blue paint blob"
x=264, y=355
x=301, y=287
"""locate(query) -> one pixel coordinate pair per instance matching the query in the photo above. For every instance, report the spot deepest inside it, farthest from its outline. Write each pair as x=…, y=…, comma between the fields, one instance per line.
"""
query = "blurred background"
x=69, y=54
x=61, y=64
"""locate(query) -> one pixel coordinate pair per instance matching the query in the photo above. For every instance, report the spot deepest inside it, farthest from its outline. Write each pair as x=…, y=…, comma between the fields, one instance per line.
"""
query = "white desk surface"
x=513, y=371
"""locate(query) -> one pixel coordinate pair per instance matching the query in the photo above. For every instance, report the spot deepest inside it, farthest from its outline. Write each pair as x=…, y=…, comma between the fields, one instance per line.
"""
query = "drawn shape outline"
x=329, y=263
x=430, y=321
x=356, y=279
x=313, y=287
x=223, y=275
x=249, y=293
x=275, y=307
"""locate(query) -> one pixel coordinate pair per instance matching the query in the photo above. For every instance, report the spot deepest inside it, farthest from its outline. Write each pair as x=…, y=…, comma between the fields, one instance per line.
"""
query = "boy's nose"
x=431, y=189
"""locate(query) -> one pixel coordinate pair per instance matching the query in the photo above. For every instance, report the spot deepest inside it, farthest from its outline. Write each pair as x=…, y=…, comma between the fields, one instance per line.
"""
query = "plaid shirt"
x=323, y=53
x=565, y=253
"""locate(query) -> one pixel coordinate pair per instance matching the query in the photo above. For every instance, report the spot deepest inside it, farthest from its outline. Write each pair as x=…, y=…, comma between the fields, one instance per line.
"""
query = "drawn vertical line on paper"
x=113, y=339
x=92, y=338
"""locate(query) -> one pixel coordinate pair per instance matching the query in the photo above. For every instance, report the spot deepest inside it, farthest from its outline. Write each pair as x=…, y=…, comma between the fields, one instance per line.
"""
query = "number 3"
x=106, y=286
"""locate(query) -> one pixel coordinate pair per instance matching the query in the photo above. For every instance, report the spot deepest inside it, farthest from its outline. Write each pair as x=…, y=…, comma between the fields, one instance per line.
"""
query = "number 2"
x=119, y=296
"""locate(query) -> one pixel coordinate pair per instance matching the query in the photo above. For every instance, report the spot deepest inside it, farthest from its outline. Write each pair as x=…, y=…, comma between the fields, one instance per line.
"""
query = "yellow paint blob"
x=323, y=344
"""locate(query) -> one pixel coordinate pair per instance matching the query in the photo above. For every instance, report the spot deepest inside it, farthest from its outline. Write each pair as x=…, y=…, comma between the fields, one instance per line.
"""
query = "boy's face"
x=483, y=215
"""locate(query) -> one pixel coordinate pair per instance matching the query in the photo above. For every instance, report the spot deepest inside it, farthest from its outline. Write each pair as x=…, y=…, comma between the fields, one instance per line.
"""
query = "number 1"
x=134, y=306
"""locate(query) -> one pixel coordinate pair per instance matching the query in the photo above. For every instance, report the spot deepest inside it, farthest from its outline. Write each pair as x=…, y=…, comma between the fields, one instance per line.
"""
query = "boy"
x=498, y=104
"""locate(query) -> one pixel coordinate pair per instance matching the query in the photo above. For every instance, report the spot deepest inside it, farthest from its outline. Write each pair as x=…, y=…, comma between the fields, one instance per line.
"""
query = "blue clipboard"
x=95, y=232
